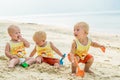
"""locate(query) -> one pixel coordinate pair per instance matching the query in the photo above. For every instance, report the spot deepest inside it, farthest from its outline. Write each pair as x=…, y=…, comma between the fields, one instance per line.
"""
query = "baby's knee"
x=38, y=60
x=33, y=59
x=91, y=59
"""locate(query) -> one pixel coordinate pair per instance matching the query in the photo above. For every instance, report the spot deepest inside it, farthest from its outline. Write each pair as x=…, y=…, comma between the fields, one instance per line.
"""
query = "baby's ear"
x=10, y=34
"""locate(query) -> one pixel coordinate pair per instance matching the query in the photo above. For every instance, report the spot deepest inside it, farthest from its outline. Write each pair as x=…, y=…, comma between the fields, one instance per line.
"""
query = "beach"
x=106, y=65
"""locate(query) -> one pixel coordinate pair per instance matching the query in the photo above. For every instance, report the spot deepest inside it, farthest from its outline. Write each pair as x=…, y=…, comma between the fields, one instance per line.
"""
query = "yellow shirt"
x=17, y=49
x=46, y=51
x=82, y=50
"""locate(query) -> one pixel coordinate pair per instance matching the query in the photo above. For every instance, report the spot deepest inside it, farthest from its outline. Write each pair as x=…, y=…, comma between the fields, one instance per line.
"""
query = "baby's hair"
x=84, y=25
x=11, y=28
x=39, y=36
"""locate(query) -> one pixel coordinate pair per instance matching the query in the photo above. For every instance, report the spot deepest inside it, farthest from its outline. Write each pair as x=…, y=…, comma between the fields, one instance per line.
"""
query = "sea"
x=107, y=22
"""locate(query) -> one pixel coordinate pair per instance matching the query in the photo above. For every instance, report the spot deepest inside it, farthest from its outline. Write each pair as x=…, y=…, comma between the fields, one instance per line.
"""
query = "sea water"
x=98, y=22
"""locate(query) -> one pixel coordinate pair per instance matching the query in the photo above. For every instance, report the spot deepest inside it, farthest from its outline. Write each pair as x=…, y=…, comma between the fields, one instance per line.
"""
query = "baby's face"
x=79, y=32
x=40, y=43
x=15, y=34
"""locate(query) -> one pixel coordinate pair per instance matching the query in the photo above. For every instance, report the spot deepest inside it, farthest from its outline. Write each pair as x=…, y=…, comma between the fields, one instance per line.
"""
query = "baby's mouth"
x=18, y=37
x=75, y=35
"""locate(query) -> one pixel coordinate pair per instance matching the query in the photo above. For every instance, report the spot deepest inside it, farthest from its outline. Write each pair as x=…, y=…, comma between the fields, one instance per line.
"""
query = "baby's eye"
x=78, y=30
x=36, y=42
x=16, y=33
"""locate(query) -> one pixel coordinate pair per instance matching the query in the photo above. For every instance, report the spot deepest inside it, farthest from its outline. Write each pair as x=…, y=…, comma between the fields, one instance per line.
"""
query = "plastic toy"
x=79, y=71
x=24, y=65
x=61, y=60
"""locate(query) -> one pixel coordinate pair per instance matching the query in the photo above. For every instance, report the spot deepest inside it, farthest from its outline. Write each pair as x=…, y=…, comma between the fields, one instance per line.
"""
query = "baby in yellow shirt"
x=80, y=47
x=15, y=48
x=45, y=49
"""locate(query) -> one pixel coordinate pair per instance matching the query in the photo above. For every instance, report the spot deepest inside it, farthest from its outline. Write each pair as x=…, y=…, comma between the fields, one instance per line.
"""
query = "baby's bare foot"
x=89, y=71
x=72, y=74
x=56, y=65
x=11, y=66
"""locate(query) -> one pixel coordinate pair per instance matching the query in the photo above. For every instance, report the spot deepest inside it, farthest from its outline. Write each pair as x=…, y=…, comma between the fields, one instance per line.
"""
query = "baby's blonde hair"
x=84, y=25
x=11, y=28
x=39, y=36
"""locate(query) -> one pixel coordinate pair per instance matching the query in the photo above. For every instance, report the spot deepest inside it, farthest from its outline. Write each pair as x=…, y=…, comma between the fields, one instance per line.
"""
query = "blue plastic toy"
x=61, y=60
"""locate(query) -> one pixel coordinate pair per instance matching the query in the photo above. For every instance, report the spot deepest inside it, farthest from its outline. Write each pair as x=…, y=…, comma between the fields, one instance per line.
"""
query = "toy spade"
x=79, y=71
x=61, y=60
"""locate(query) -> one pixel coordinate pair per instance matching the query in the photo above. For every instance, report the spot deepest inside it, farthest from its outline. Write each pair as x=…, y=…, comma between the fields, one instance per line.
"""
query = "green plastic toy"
x=24, y=65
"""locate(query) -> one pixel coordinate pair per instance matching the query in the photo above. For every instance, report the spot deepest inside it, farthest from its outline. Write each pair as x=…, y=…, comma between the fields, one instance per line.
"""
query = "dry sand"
x=106, y=65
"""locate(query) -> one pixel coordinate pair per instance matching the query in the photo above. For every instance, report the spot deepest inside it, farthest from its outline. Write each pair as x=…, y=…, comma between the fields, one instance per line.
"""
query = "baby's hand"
x=103, y=48
x=20, y=37
x=43, y=54
x=63, y=56
x=72, y=61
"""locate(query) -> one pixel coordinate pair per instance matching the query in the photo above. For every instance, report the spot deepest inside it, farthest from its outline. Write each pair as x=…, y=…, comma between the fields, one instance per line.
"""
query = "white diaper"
x=21, y=60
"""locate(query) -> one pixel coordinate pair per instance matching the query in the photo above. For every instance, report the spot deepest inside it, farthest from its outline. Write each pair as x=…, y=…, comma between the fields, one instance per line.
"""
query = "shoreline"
x=108, y=24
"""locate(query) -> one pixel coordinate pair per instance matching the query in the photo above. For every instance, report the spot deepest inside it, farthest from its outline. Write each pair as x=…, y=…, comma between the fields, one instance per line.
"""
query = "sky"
x=30, y=7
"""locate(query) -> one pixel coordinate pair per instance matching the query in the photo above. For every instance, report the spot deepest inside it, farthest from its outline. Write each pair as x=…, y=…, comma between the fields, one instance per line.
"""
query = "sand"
x=106, y=65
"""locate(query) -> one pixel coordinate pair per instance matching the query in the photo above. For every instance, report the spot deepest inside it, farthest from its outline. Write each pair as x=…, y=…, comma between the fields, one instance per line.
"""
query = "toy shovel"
x=61, y=60
x=79, y=72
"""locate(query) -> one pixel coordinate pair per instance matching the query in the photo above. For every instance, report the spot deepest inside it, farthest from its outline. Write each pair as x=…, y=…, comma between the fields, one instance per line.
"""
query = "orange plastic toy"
x=79, y=72
x=103, y=49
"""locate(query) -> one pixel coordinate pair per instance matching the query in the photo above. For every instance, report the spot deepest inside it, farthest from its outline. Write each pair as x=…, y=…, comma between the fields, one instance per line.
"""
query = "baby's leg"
x=57, y=65
x=53, y=61
x=39, y=59
x=13, y=62
x=30, y=60
x=74, y=67
x=88, y=65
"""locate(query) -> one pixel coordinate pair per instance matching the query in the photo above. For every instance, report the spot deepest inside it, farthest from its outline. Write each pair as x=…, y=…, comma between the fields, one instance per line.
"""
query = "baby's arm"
x=55, y=49
x=26, y=43
x=7, y=52
x=72, y=51
x=102, y=47
x=33, y=52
